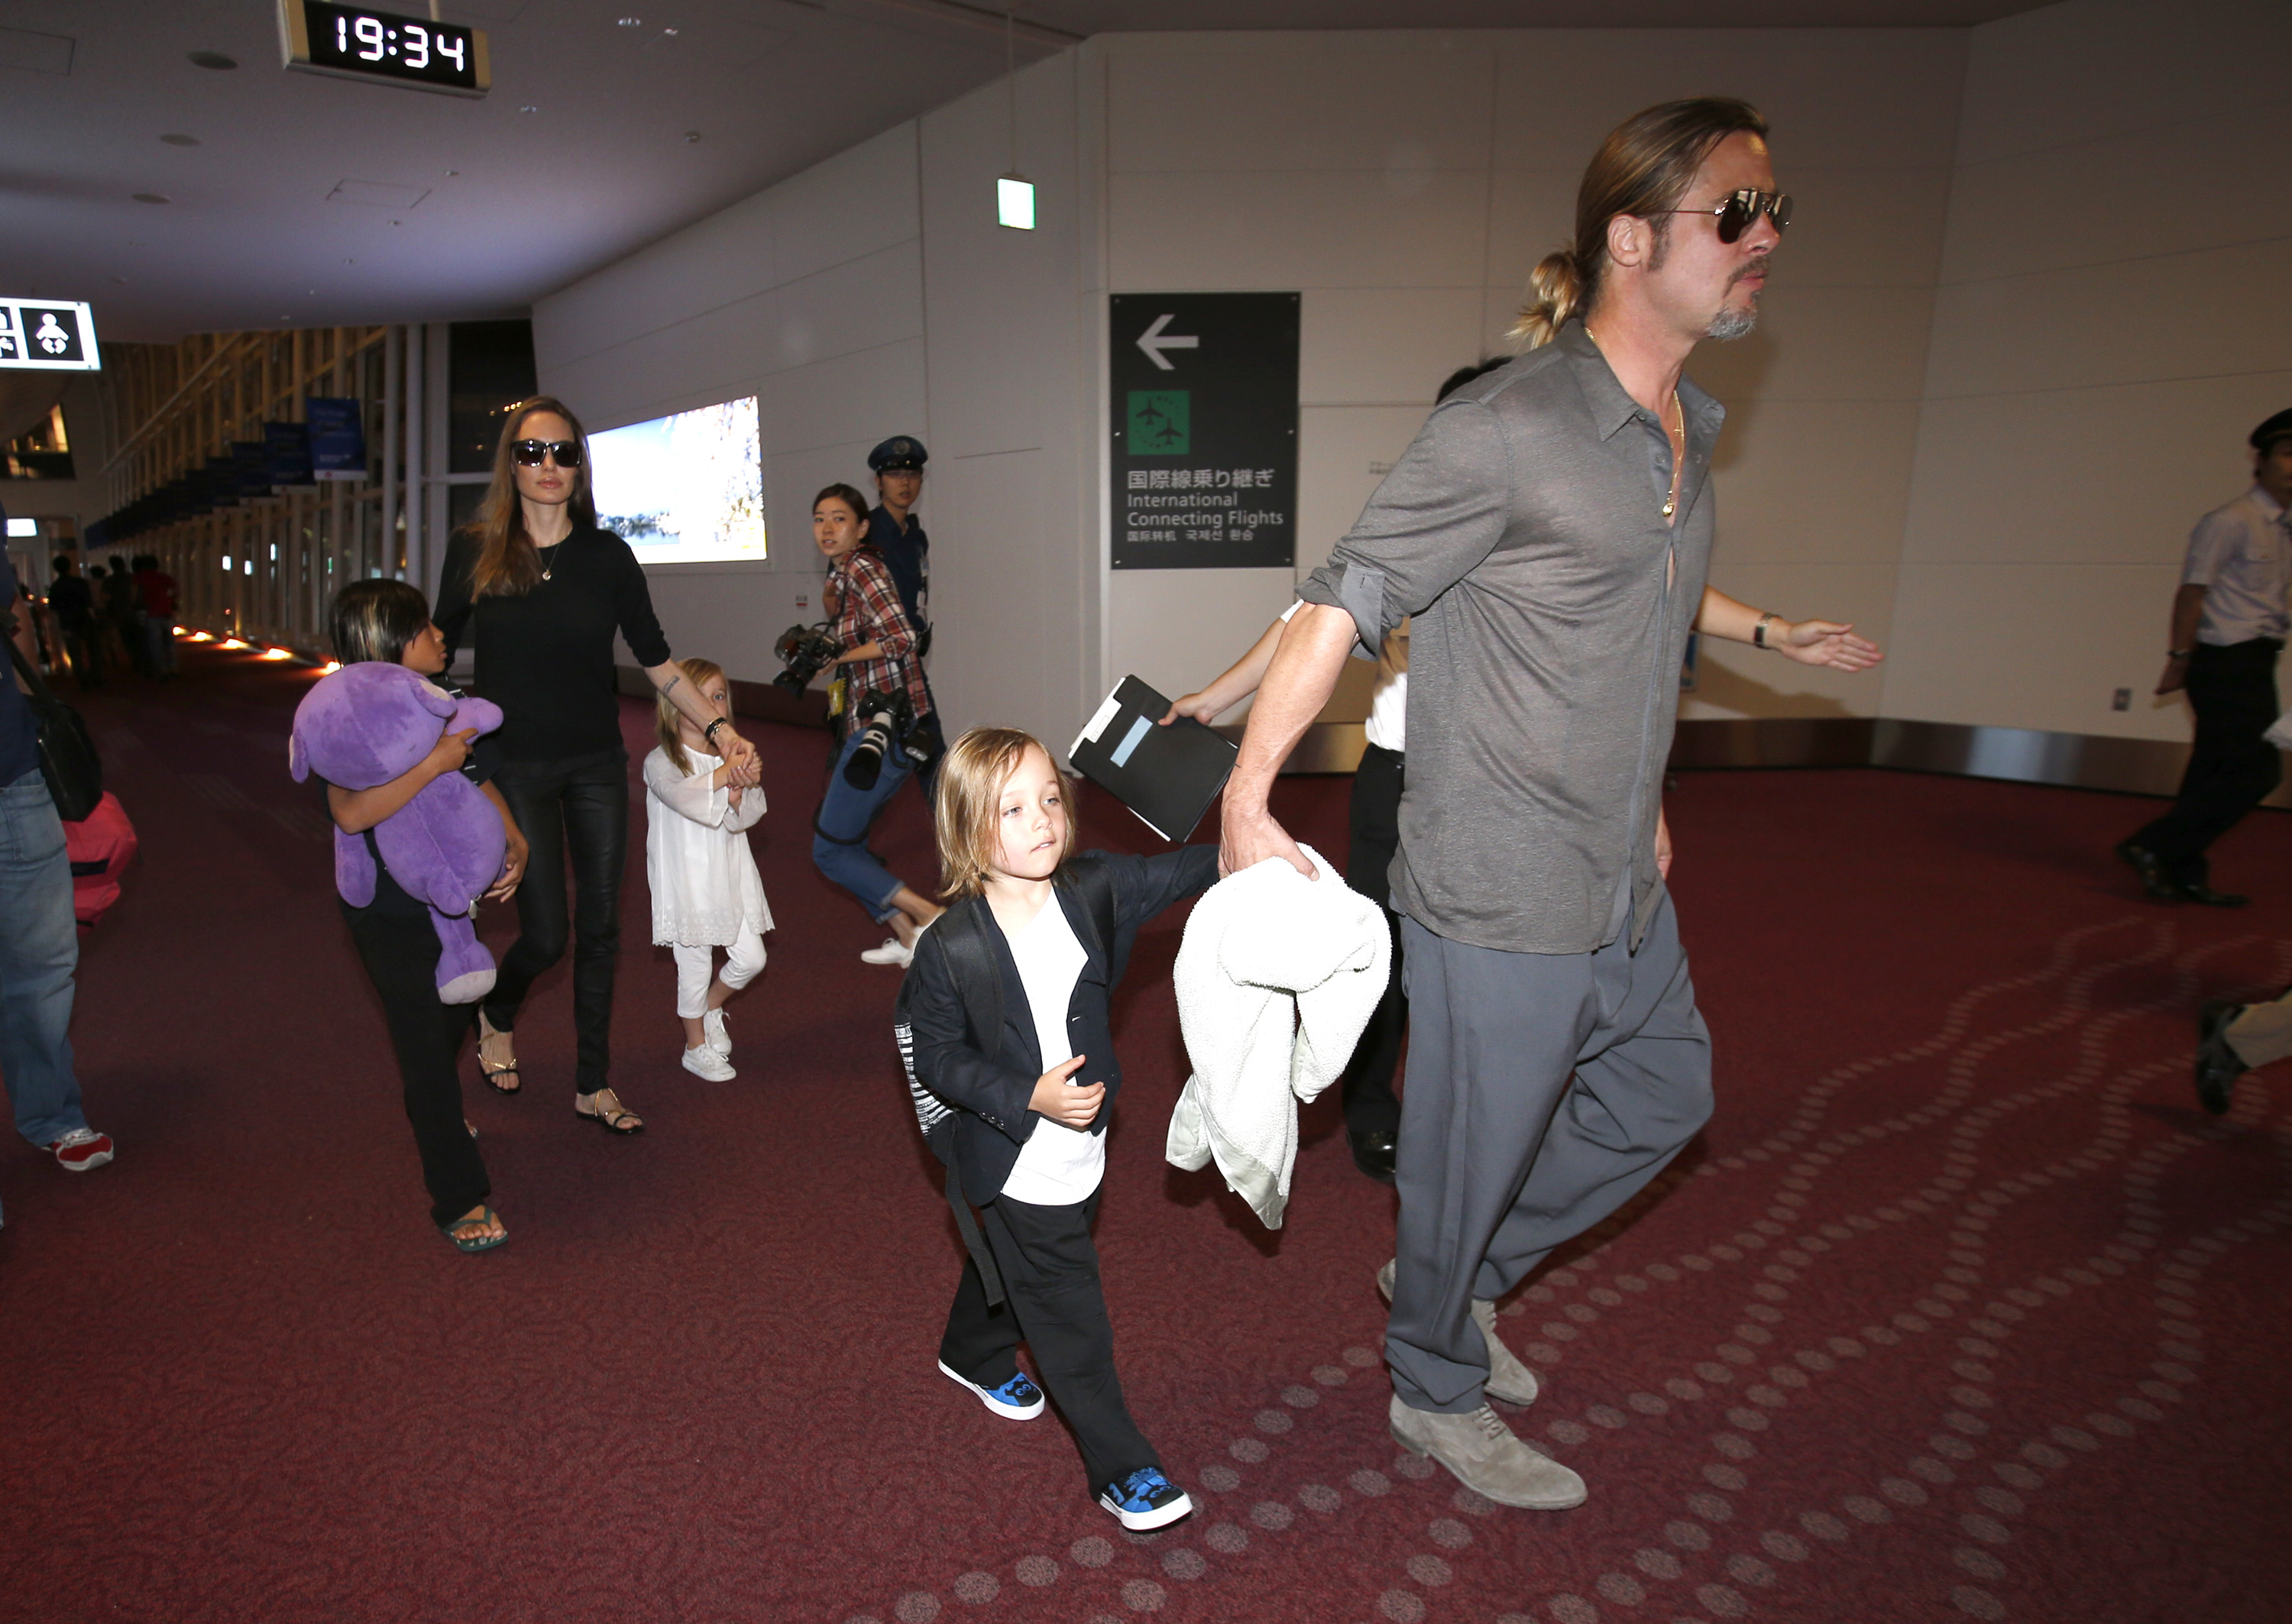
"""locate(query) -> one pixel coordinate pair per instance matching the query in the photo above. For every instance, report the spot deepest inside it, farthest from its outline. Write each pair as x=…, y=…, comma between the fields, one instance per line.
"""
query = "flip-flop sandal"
x=611, y=1121
x=479, y=1243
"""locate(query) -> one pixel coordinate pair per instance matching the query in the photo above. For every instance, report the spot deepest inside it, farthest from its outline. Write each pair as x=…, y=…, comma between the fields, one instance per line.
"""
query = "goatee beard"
x=1729, y=324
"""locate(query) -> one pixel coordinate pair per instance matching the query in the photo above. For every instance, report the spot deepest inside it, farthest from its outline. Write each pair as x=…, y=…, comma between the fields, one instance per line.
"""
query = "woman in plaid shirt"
x=879, y=656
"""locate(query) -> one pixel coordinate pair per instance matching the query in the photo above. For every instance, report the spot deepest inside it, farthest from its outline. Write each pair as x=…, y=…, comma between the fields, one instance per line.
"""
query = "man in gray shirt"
x=1549, y=530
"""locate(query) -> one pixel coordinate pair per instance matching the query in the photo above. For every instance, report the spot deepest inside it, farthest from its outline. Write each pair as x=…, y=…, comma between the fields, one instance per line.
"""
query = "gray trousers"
x=1543, y=1091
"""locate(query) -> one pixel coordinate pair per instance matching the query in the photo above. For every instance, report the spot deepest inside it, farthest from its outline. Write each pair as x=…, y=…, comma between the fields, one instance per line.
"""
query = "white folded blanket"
x=1276, y=979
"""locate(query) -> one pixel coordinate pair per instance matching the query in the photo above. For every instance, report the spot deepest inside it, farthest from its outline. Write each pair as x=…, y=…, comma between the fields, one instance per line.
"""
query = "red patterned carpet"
x=1959, y=1310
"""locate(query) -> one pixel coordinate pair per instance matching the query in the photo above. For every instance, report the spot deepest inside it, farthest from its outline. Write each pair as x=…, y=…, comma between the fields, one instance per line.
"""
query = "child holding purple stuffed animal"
x=388, y=622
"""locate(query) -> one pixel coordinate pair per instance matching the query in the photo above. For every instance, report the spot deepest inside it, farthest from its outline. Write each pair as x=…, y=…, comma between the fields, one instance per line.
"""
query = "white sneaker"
x=718, y=1039
x=890, y=953
x=706, y=1062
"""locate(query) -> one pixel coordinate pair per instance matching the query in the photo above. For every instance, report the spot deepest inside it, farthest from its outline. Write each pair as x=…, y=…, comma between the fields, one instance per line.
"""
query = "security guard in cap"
x=894, y=531
x=2229, y=623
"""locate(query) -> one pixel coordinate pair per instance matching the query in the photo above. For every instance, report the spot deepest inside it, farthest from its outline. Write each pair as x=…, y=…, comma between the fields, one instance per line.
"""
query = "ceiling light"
x=633, y=22
x=528, y=110
x=216, y=59
x=1015, y=202
x=152, y=197
x=668, y=33
x=691, y=136
x=181, y=141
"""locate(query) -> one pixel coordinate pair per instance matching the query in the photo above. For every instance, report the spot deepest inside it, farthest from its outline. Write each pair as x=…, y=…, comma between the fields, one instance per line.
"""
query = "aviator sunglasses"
x=531, y=454
x=1742, y=208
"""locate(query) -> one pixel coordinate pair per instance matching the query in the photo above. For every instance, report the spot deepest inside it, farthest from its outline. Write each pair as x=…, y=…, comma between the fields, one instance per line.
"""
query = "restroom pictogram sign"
x=41, y=335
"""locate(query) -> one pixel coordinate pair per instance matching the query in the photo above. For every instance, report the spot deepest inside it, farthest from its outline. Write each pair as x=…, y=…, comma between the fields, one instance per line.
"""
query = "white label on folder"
x=1096, y=724
x=1138, y=730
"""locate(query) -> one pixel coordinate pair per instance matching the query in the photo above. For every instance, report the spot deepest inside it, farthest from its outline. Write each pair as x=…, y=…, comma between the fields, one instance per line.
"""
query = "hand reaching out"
x=1065, y=1104
x=1824, y=642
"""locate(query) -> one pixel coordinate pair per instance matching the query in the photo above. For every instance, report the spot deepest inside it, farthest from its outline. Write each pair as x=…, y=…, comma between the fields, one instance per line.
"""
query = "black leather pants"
x=578, y=810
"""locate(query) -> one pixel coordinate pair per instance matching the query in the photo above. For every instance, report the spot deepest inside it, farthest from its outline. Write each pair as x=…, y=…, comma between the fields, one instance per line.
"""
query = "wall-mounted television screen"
x=687, y=488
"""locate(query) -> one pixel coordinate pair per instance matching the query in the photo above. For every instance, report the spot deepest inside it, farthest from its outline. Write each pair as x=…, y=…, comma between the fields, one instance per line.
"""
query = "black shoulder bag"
x=68, y=758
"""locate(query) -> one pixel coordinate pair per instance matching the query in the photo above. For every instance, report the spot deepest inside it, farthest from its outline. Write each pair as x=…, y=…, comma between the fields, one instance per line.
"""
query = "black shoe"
x=1374, y=1152
x=2211, y=898
x=2154, y=880
x=2217, y=1066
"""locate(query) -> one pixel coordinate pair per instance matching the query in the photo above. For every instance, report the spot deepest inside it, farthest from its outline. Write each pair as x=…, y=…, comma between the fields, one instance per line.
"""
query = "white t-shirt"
x=1057, y=1166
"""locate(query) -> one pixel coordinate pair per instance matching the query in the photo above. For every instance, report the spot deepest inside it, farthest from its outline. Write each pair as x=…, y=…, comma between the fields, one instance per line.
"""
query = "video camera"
x=887, y=722
x=806, y=651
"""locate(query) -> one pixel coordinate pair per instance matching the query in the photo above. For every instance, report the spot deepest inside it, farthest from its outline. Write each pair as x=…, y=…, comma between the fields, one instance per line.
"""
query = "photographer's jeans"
x=839, y=834
x=39, y=953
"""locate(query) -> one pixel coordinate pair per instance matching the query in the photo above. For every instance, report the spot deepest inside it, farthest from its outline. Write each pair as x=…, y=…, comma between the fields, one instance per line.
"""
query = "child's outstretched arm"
x=1145, y=886
x=356, y=811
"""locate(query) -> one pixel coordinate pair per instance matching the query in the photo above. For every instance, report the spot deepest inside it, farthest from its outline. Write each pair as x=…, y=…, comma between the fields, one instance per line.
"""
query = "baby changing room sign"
x=1205, y=424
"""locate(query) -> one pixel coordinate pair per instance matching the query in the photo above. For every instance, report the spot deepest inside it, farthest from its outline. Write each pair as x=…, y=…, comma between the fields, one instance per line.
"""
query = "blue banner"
x=338, y=437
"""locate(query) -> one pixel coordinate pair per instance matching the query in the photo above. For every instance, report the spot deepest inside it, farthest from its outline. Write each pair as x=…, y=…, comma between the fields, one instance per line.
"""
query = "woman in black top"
x=546, y=590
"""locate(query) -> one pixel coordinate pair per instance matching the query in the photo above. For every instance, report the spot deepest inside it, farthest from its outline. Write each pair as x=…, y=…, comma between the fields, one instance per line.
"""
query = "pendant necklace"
x=548, y=556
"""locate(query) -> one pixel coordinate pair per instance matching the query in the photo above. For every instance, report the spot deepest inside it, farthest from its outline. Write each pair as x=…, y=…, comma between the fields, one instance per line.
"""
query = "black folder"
x=1167, y=775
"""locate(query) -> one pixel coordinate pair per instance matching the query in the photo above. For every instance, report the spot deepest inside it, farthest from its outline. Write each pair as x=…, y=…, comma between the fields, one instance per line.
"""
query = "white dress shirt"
x=2242, y=558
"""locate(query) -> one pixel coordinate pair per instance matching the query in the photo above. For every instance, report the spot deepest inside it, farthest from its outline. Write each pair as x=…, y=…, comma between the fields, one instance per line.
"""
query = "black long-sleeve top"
x=546, y=658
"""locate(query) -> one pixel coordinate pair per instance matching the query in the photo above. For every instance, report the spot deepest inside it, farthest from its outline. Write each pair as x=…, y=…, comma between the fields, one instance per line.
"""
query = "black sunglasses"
x=531, y=454
x=1742, y=208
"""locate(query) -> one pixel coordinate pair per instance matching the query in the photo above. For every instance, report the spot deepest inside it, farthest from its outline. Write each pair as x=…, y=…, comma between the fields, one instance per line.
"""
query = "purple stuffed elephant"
x=367, y=724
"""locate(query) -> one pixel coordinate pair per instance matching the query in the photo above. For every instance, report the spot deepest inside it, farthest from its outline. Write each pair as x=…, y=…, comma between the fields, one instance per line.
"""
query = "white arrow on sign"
x=1154, y=343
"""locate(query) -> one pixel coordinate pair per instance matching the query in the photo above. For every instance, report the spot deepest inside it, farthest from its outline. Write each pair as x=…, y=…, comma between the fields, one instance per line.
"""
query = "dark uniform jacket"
x=990, y=1080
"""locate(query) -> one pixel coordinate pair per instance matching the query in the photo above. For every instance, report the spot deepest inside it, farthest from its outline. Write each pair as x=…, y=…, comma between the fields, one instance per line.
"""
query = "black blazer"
x=991, y=1083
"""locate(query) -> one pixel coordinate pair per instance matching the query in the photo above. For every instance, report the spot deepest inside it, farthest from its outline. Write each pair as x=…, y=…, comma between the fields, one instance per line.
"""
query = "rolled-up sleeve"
x=1438, y=514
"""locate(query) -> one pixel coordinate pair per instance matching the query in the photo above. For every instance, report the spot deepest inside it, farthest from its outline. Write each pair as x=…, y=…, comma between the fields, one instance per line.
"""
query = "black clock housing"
x=358, y=42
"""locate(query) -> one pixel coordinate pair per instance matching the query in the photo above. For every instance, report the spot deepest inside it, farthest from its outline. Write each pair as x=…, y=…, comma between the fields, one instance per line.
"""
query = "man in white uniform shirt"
x=2229, y=621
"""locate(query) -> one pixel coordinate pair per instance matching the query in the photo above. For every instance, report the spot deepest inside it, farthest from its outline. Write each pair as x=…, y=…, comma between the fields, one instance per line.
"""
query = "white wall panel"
x=1404, y=104
x=2215, y=312
x=1367, y=346
x=1881, y=97
x=2104, y=476
x=1810, y=482
x=1259, y=228
x=1342, y=453
x=2066, y=76
x=2033, y=646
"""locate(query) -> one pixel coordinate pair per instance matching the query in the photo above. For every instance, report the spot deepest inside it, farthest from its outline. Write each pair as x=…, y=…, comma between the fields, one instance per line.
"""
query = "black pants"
x=400, y=955
x=2232, y=768
x=576, y=809
x=86, y=659
x=1367, y=1090
x=1054, y=1303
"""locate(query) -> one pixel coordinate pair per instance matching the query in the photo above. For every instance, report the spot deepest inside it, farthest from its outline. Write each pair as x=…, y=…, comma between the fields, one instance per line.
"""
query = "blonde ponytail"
x=1555, y=292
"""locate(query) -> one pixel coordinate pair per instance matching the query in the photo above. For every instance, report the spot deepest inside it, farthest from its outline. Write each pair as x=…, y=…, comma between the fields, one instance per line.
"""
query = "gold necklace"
x=1678, y=438
x=549, y=564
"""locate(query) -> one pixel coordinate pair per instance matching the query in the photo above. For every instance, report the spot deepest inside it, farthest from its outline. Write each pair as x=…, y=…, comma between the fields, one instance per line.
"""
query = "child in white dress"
x=705, y=891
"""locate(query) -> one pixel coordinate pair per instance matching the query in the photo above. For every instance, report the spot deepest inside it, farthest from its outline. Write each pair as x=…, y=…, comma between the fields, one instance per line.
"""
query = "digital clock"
x=356, y=41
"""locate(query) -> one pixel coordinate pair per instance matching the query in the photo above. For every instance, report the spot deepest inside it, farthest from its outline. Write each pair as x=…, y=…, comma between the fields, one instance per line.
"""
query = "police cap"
x=2277, y=428
x=901, y=450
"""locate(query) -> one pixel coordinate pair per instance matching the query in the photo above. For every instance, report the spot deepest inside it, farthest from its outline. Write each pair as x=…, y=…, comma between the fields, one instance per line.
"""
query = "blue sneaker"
x=1016, y=1400
x=1145, y=1499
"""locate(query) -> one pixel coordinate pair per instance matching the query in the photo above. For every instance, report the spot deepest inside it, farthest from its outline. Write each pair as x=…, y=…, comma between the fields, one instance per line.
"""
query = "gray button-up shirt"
x=1524, y=530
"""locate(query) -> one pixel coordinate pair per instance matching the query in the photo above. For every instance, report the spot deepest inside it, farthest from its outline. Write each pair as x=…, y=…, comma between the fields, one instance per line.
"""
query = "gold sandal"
x=494, y=1073
x=615, y=1118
